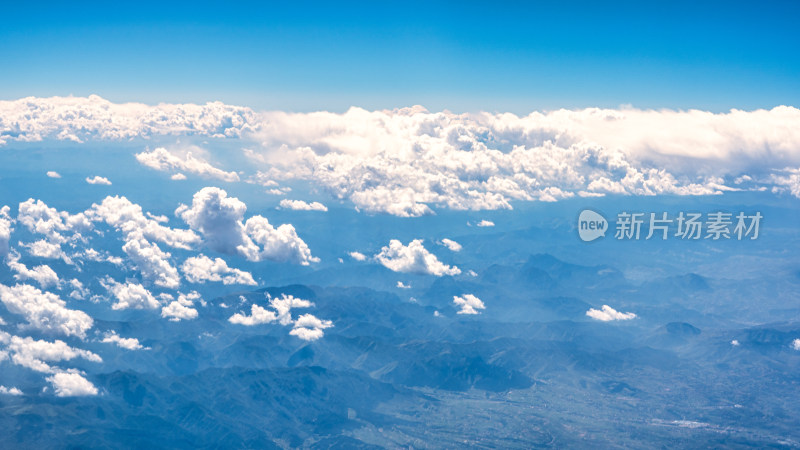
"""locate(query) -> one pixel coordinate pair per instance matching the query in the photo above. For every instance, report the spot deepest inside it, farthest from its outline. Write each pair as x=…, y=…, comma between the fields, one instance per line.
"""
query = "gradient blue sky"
x=463, y=56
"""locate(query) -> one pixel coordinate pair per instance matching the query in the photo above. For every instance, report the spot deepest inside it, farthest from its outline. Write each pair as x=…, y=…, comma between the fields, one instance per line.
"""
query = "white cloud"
x=151, y=261
x=39, y=218
x=469, y=304
x=182, y=308
x=45, y=311
x=81, y=118
x=10, y=391
x=42, y=274
x=219, y=219
x=485, y=223
x=71, y=384
x=401, y=285
x=37, y=354
x=127, y=343
x=53, y=174
x=97, y=179
x=413, y=258
x=178, y=177
x=79, y=292
x=199, y=269
x=5, y=230
x=128, y=217
x=48, y=250
x=735, y=343
x=284, y=305
x=607, y=314
x=130, y=295
x=161, y=159
x=796, y=344
x=309, y=328
x=300, y=205
x=358, y=256
x=258, y=315
x=451, y=244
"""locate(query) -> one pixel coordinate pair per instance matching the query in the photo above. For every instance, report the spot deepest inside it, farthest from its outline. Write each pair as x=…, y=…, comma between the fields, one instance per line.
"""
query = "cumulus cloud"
x=178, y=177
x=71, y=384
x=401, y=285
x=300, y=205
x=413, y=258
x=306, y=327
x=10, y=391
x=38, y=354
x=607, y=314
x=53, y=174
x=258, y=315
x=41, y=274
x=199, y=269
x=451, y=244
x=485, y=223
x=358, y=256
x=58, y=226
x=162, y=160
x=127, y=343
x=130, y=295
x=219, y=219
x=407, y=161
x=469, y=304
x=5, y=230
x=796, y=344
x=45, y=311
x=151, y=261
x=309, y=328
x=97, y=179
x=128, y=217
x=47, y=250
x=83, y=118
x=182, y=308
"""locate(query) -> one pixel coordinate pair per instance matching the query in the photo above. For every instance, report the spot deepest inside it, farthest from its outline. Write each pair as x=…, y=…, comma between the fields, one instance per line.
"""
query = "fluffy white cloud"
x=413, y=258
x=300, y=205
x=37, y=354
x=48, y=250
x=126, y=343
x=128, y=217
x=81, y=118
x=182, y=308
x=130, y=295
x=42, y=274
x=403, y=161
x=151, y=261
x=219, y=219
x=258, y=315
x=97, y=179
x=71, y=384
x=53, y=174
x=485, y=223
x=282, y=307
x=796, y=344
x=309, y=328
x=178, y=177
x=45, y=311
x=39, y=218
x=451, y=244
x=469, y=304
x=607, y=314
x=358, y=256
x=10, y=391
x=161, y=159
x=5, y=230
x=199, y=269
x=401, y=285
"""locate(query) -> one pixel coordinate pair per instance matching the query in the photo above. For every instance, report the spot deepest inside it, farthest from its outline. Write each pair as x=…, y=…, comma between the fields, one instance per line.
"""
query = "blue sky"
x=464, y=56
